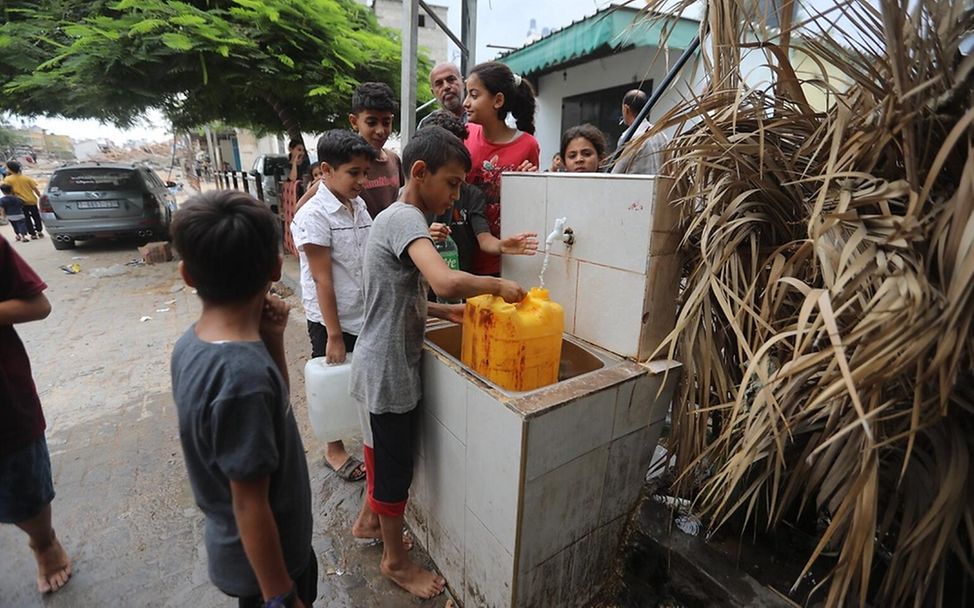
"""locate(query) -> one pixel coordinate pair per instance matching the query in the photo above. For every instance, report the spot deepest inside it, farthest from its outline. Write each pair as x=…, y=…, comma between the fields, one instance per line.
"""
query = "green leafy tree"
x=267, y=65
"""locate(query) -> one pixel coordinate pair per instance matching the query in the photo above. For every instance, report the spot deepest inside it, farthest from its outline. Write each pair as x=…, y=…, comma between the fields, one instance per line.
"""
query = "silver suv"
x=265, y=167
x=92, y=200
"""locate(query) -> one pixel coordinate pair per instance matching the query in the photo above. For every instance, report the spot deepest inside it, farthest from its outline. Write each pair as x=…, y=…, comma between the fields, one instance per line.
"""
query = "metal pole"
x=209, y=147
x=410, y=43
x=444, y=27
x=468, y=33
x=663, y=85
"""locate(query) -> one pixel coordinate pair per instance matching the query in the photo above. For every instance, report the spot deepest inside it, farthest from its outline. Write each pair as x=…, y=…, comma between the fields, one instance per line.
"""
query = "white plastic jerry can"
x=333, y=411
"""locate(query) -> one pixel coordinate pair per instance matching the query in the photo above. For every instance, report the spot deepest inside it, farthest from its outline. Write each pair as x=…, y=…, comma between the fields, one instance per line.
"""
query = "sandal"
x=353, y=469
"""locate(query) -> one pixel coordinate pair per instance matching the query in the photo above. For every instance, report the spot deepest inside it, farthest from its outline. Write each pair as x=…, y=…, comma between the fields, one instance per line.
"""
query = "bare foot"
x=418, y=581
x=53, y=566
x=374, y=533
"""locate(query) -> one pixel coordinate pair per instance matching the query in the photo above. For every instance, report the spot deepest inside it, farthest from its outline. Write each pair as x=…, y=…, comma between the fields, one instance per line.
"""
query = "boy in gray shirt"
x=243, y=453
x=399, y=261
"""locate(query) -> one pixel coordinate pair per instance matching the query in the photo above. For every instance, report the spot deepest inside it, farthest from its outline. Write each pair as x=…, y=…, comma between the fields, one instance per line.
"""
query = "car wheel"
x=61, y=244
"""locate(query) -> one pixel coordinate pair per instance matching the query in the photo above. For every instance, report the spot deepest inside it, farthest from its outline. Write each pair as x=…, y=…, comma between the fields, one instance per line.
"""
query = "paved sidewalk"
x=124, y=509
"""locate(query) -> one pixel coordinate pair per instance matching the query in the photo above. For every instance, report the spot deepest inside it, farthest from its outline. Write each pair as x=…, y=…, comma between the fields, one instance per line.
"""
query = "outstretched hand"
x=527, y=166
x=524, y=243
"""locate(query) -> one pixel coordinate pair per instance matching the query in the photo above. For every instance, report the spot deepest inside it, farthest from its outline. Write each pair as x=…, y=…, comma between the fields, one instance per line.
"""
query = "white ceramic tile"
x=446, y=468
x=663, y=399
x=448, y=557
x=611, y=217
x=560, y=279
x=547, y=584
x=561, y=506
x=648, y=404
x=488, y=568
x=609, y=308
x=633, y=413
x=417, y=509
x=629, y=458
x=592, y=561
x=569, y=431
x=493, y=464
x=445, y=395
x=523, y=203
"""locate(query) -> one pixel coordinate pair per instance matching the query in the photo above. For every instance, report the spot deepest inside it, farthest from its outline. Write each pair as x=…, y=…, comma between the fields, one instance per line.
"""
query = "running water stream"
x=544, y=266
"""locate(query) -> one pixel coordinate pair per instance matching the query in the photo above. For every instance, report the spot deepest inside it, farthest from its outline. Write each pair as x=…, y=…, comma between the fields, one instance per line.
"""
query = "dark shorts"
x=319, y=337
x=25, y=482
x=389, y=461
x=305, y=584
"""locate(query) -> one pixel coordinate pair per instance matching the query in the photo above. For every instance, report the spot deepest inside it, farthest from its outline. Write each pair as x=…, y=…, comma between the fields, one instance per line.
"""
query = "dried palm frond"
x=826, y=326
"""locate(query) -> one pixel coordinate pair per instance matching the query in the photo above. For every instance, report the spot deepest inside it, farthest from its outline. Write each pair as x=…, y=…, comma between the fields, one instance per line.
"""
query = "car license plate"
x=97, y=204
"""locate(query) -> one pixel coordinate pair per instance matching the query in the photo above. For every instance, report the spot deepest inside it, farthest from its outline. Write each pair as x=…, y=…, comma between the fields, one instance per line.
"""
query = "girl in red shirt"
x=493, y=91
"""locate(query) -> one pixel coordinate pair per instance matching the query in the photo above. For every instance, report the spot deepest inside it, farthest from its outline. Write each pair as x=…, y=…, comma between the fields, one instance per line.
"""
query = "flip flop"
x=353, y=469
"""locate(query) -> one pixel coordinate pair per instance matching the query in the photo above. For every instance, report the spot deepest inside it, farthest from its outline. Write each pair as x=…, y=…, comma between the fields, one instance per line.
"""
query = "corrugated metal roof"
x=609, y=29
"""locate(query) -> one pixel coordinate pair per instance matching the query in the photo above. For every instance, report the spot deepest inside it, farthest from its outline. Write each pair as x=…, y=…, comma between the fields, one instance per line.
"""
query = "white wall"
x=251, y=146
x=632, y=66
x=431, y=37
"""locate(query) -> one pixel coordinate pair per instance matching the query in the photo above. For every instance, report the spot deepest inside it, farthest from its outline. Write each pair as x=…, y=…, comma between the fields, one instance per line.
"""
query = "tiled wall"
x=464, y=499
x=602, y=280
x=500, y=500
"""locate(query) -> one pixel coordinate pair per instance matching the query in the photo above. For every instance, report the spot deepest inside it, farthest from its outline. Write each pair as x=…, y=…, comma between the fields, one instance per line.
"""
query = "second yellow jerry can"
x=516, y=346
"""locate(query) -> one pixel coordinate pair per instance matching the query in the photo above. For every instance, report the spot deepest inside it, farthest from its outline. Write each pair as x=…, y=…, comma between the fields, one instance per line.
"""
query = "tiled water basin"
x=576, y=359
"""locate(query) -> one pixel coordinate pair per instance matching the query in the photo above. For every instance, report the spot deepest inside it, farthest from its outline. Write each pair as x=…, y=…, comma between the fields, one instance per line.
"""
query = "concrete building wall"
x=431, y=38
x=250, y=147
x=632, y=66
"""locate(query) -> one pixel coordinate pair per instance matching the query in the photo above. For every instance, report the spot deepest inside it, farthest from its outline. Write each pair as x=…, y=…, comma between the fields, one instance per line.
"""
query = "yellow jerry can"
x=516, y=346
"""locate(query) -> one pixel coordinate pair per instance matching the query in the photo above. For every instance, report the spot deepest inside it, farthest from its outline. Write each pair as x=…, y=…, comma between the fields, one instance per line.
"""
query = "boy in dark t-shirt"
x=243, y=453
x=26, y=487
x=467, y=221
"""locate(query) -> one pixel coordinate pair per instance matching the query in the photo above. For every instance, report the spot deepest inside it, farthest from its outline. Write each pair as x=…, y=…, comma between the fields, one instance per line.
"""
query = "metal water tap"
x=561, y=233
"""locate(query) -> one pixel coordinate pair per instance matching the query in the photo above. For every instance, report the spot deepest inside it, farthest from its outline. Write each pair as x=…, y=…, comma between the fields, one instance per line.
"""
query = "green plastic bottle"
x=451, y=255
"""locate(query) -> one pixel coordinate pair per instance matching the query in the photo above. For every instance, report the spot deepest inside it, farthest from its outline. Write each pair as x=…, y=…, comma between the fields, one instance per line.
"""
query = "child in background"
x=13, y=208
x=583, y=148
x=466, y=221
x=386, y=368
x=26, y=189
x=26, y=486
x=243, y=452
x=373, y=108
x=493, y=91
x=330, y=232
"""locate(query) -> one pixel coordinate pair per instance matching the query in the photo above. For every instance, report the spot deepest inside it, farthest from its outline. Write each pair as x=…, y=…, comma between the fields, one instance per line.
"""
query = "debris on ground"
x=689, y=524
x=71, y=268
x=162, y=310
x=135, y=262
x=115, y=270
x=156, y=252
x=145, y=318
x=176, y=288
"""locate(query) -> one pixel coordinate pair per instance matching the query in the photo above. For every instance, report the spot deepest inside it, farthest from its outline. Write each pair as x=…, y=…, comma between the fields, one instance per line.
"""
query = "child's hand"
x=525, y=243
x=439, y=232
x=335, y=349
x=453, y=312
x=527, y=166
x=510, y=291
x=273, y=318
